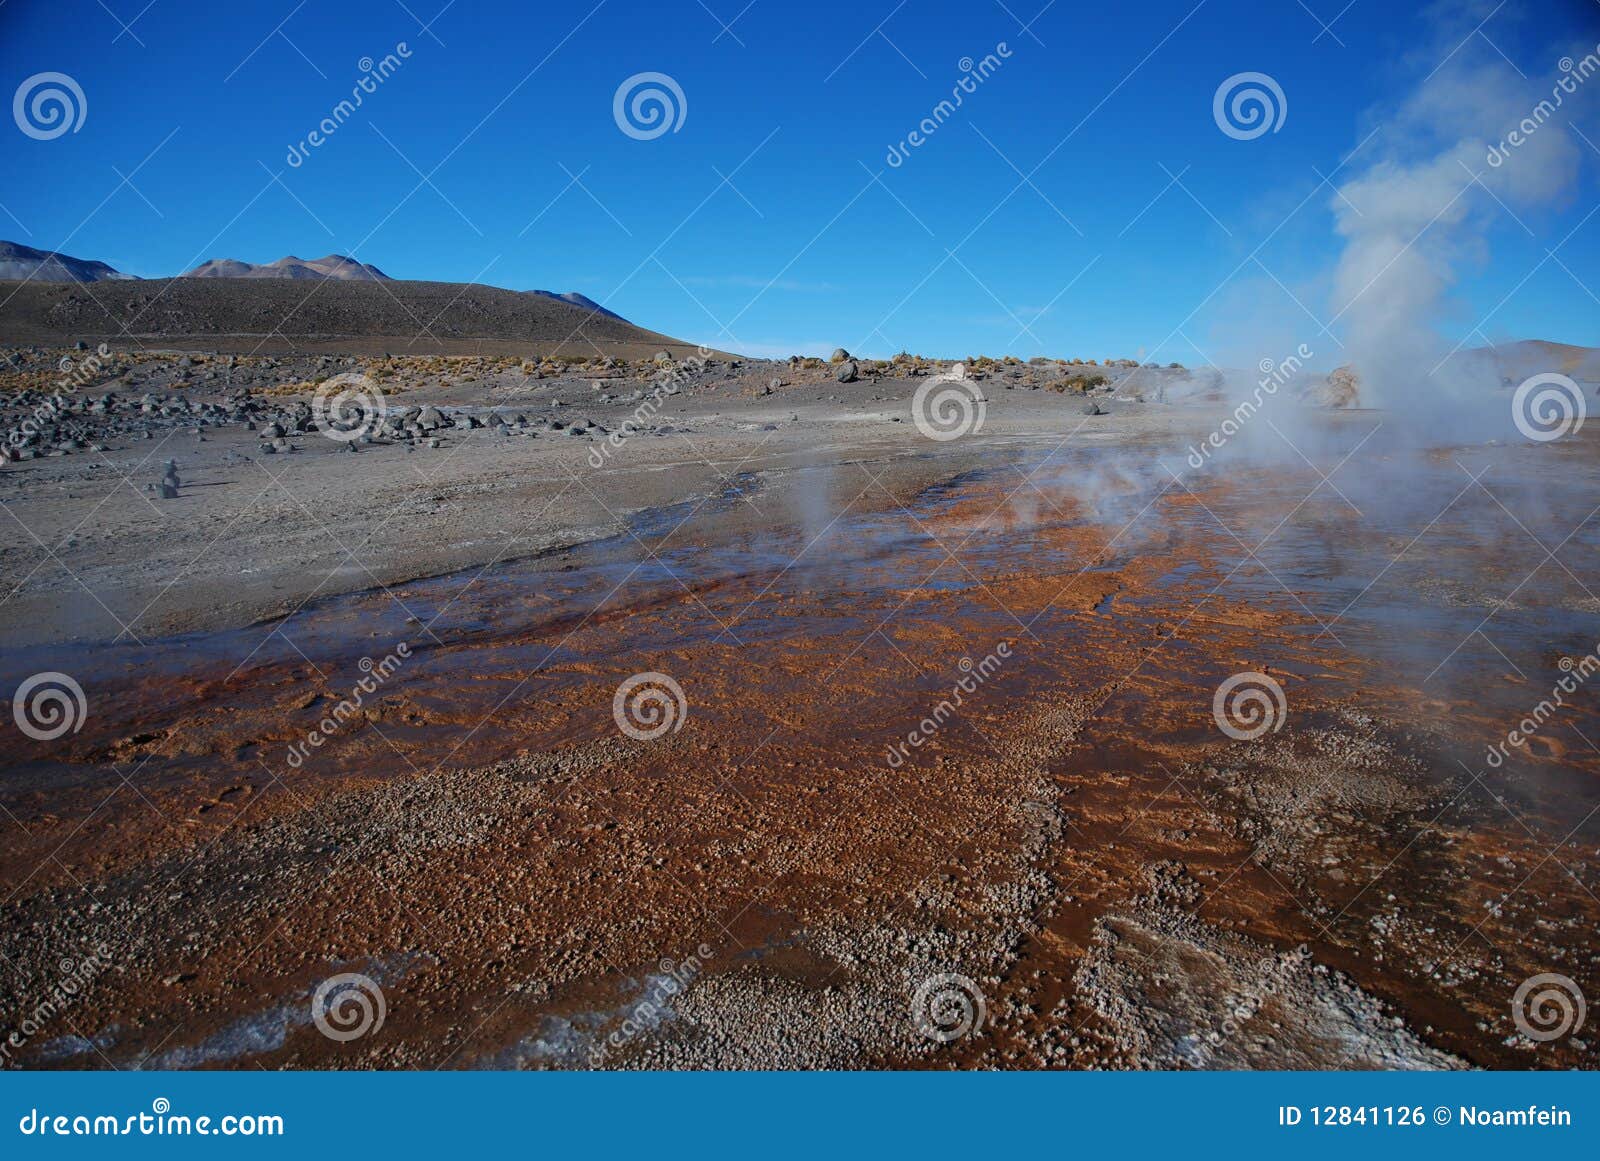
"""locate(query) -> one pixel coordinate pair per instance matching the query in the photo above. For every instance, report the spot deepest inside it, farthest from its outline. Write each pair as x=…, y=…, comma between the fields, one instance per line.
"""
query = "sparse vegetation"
x=1077, y=383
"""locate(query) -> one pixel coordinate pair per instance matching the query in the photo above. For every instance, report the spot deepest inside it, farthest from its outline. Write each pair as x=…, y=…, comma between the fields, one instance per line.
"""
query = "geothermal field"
x=689, y=710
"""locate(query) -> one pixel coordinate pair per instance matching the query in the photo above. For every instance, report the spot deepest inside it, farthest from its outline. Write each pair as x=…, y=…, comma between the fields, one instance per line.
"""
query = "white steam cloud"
x=1414, y=215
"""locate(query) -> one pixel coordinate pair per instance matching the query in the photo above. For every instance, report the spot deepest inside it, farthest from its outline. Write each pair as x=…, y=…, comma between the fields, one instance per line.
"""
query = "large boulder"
x=846, y=372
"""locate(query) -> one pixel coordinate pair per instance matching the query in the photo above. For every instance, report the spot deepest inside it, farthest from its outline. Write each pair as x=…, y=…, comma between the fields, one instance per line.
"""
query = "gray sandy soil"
x=91, y=554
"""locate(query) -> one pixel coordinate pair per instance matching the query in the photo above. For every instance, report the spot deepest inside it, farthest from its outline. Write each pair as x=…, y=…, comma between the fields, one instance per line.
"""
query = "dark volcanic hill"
x=19, y=261
x=261, y=315
x=24, y=263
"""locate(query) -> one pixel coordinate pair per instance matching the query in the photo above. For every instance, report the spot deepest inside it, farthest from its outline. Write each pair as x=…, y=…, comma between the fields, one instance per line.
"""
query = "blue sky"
x=770, y=221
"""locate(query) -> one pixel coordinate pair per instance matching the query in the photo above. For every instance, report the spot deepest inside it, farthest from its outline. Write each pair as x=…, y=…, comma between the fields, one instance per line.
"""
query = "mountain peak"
x=577, y=299
x=336, y=266
x=26, y=263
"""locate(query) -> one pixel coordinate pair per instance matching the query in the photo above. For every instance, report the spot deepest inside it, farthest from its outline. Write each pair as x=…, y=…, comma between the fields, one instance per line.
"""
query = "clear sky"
x=1081, y=201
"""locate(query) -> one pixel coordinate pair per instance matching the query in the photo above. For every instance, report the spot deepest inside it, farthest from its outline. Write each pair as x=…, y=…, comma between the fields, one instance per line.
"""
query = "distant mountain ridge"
x=577, y=299
x=25, y=264
x=1536, y=356
x=333, y=266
